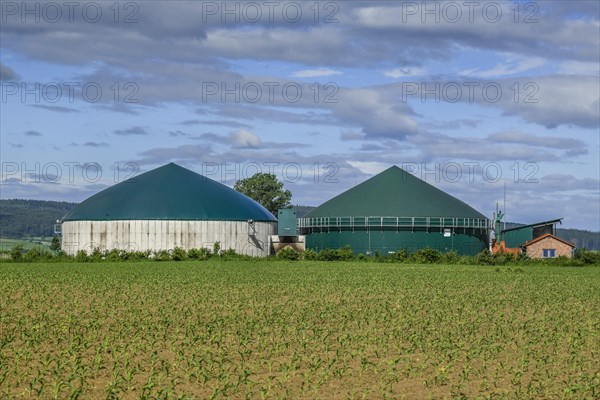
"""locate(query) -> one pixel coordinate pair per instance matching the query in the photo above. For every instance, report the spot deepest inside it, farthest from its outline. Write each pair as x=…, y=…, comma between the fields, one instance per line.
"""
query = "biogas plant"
x=172, y=206
x=396, y=210
x=165, y=208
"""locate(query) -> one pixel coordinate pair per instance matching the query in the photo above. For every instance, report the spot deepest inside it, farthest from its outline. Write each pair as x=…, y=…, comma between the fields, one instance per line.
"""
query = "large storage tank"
x=165, y=208
x=395, y=210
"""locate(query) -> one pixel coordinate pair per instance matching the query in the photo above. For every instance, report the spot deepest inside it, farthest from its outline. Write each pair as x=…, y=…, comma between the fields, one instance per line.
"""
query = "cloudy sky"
x=469, y=96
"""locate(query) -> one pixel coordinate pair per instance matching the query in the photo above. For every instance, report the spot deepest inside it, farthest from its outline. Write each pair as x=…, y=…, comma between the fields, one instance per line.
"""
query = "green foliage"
x=327, y=255
x=16, y=253
x=199, y=254
x=217, y=248
x=488, y=258
x=310, y=254
x=450, y=257
x=97, y=255
x=36, y=254
x=55, y=245
x=81, y=256
x=510, y=257
x=115, y=255
x=485, y=258
x=500, y=258
x=465, y=260
x=230, y=254
x=426, y=256
x=266, y=190
x=422, y=256
x=138, y=255
x=345, y=254
x=162, y=255
x=522, y=257
x=587, y=257
x=178, y=254
x=398, y=256
x=288, y=253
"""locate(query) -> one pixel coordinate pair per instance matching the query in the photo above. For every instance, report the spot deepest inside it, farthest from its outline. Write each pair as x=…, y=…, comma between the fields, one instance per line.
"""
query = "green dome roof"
x=170, y=192
x=394, y=193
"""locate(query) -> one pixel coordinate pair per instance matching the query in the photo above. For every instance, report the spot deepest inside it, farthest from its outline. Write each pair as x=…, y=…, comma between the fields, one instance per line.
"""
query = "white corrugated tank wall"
x=135, y=235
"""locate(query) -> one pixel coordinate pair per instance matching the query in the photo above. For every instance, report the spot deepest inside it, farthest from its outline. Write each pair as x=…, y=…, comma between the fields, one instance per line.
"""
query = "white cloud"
x=549, y=100
x=313, y=73
x=561, y=100
x=512, y=65
x=500, y=146
x=369, y=167
x=379, y=113
x=575, y=146
x=579, y=68
x=242, y=139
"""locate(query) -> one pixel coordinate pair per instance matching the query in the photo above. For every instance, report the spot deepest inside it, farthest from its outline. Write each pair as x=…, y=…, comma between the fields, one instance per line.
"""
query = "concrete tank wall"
x=141, y=235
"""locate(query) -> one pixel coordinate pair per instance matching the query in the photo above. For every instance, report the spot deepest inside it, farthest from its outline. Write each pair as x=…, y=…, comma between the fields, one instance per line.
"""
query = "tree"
x=265, y=189
x=55, y=245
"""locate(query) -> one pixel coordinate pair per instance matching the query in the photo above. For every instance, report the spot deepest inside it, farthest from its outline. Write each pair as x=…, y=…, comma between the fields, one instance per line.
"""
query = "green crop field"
x=298, y=330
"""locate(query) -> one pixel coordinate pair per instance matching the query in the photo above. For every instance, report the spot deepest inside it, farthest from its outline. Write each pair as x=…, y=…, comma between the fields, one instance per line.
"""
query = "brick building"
x=548, y=246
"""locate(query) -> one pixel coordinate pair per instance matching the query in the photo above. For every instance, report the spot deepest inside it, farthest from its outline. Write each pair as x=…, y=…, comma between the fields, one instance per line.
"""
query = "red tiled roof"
x=537, y=239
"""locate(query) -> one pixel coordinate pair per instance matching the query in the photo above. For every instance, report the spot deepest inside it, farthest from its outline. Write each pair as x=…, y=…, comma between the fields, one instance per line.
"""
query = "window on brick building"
x=549, y=253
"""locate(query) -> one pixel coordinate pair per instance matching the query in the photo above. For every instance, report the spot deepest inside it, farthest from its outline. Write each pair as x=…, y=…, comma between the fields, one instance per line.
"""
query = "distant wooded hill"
x=301, y=211
x=36, y=218
x=30, y=218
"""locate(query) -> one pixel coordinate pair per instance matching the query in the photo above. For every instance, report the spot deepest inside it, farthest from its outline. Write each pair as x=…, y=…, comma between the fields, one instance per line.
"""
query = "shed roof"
x=395, y=192
x=169, y=192
x=550, y=222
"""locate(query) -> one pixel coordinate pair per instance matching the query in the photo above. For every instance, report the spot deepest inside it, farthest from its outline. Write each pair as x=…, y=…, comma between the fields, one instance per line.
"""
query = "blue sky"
x=469, y=98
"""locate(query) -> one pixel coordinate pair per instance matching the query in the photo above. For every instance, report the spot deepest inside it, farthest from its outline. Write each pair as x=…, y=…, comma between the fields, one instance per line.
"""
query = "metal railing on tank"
x=393, y=222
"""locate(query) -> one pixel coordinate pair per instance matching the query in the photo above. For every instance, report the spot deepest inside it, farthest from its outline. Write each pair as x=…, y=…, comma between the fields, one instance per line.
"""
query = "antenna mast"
x=505, y=203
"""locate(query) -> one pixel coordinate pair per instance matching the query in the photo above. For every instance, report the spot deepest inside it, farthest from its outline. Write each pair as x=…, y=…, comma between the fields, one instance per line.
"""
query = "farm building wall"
x=518, y=237
x=536, y=249
x=142, y=235
x=462, y=241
